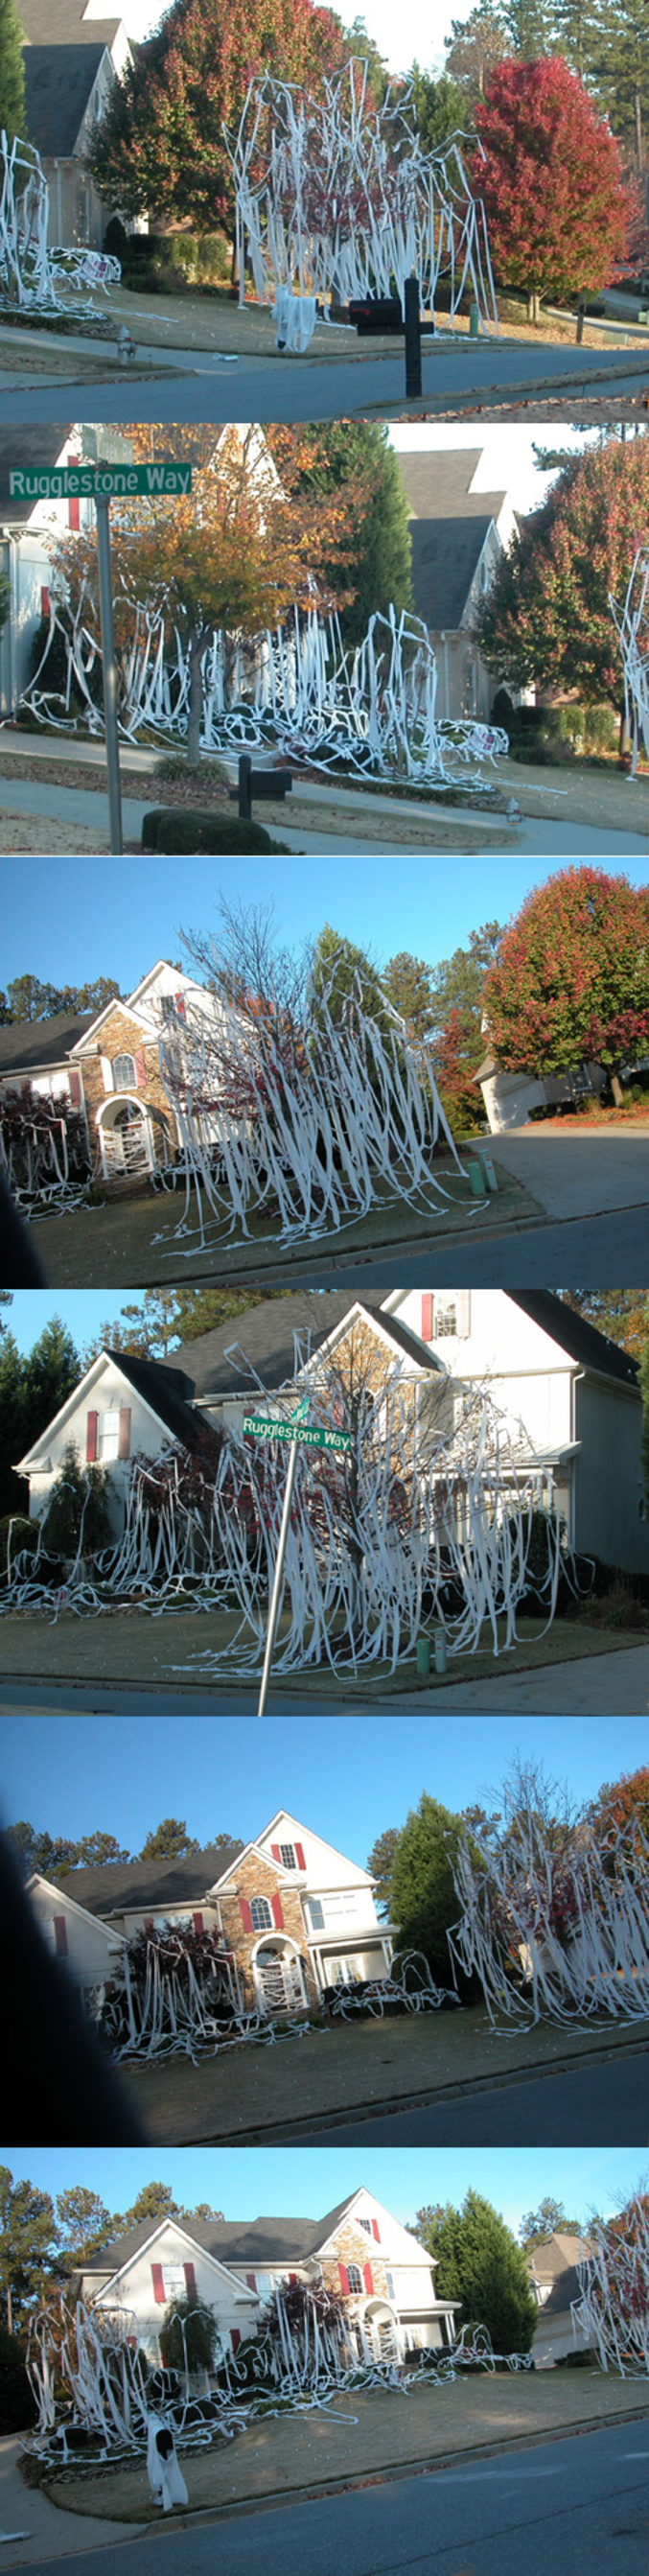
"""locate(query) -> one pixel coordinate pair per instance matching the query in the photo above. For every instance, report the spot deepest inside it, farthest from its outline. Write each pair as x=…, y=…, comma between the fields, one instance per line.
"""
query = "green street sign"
x=97, y=482
x=263, y=1427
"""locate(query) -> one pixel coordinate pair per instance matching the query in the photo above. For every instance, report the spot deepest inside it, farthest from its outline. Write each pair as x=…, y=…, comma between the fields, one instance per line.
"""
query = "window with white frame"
x=316, y=1914
x=389, y=2283
x=367, y=2224
x=108, y=1435
x=287, y=1855
x=173, y=2275
x=262, y=1920
x=124, y=1077
x=452, y=1315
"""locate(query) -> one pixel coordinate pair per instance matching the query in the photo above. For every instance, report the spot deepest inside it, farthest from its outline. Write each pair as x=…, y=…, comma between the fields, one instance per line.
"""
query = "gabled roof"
x=30, y=1046
x=61, y=1887
x=59, y=81
x=224, y=1362
x=449, y=526
x=263, y=2241
x=120, y=1887
x=582, y=1341
x=74, y=23
x=389, y=1328
x=165, y=1403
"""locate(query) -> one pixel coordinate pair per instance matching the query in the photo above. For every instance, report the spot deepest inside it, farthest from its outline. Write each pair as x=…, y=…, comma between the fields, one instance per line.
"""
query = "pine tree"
x=423, y=1895
x=619, y=65
x=479, y=2262
x=12, y=72
x=475, y=44
x=356, y=456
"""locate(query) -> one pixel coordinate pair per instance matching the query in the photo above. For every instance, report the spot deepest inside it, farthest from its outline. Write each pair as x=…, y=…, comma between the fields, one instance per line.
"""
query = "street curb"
x=281, y=2133
x=419, y=2466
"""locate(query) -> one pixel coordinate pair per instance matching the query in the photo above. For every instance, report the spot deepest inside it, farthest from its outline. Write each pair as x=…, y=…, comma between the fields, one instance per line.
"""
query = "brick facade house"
x=107, y=1067
x=295, y=1915
x=375, y=2265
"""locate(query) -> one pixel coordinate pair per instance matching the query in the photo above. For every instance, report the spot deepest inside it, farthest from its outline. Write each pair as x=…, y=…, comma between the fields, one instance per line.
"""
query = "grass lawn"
x=134, y=1242
x=371, y=2434
x=250, y=2094
x=175, y=1647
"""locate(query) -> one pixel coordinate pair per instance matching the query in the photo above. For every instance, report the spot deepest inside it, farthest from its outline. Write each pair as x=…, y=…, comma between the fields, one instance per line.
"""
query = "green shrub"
x=181, y=833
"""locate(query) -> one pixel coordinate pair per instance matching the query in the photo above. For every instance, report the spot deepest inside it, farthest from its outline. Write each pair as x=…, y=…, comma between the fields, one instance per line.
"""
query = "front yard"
x=176, y=1647
x=361, y=2437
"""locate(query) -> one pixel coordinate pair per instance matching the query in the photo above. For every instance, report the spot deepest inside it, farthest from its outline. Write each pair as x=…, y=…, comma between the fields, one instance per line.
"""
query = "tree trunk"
x=534, y=307
x=195, y=700
x=624, y=738
x=618, y=1094
x=9, y=2310
x=638, y=135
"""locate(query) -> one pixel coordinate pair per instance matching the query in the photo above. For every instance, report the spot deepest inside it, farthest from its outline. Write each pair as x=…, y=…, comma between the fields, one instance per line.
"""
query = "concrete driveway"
x=594, y=1686
x=576, y=1173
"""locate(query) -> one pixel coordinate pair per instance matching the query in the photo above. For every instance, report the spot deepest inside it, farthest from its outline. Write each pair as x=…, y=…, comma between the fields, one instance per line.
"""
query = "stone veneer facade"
x=122, y=1035
x=256, y=1876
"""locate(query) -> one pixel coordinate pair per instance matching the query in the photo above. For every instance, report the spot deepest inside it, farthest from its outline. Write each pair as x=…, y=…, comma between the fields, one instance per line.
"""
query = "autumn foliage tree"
x=548, y=620
x=571, y=978
x=237, y=552
x=551, y=182
x=160, y=146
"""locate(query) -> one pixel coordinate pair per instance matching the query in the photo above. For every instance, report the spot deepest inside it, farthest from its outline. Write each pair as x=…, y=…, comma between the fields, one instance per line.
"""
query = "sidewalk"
x=578, y=1174
x=51, y=2532
x=276, y=2092
x=382, y=2433
x=605, y=1683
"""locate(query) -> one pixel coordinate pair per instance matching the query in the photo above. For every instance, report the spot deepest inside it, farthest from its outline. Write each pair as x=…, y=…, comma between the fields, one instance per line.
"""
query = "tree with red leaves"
x=552, y=182
x=160, y=145
x=571, y=978
x=623, y=1802
x=547, y=621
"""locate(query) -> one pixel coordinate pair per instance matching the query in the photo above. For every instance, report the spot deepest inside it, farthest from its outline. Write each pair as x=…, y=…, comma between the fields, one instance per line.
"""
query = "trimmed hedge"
x=179, y=832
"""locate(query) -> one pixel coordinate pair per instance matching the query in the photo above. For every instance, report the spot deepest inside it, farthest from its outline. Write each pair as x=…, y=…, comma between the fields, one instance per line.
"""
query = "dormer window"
x=124, y=1075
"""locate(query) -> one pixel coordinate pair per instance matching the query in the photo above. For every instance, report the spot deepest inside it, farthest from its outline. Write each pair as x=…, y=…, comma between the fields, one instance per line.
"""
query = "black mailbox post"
x=271, y=785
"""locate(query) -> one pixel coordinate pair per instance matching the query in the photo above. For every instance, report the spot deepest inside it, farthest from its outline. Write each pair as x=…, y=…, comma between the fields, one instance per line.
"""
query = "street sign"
x=98, y=482
x=311, y=1436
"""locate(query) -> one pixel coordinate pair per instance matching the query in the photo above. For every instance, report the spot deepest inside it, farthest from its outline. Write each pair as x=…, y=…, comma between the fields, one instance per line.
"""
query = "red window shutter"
x=251, y=2278
x=179, y=999
x=190, y=2280
x=92, y=1433
x=45, y=602
x=375, y=2230
x=149, y=1924
x=158, y=2285
x=235, y=2338
x=367, y=2277
x=344, y=2279
x=124, y=1431
x=61, y=1936
x=73, y=512
x=246, y=1917
x=198, y=1923
x=276, y=1908
x=276, y=1853
x=292, y=2277
x=427, y=1318
x=299, y=1855
x=74, y=1080
x=140, y=1068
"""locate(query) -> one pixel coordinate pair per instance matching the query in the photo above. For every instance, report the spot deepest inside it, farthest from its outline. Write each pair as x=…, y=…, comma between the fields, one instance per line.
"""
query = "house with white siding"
x=569, y=1397
x=292, y=1914
x=359, y=2250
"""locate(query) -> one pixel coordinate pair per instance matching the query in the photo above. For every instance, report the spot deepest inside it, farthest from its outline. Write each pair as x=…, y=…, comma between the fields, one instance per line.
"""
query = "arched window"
x=354, y=2278
x=124, y=1073
x=262, y=1920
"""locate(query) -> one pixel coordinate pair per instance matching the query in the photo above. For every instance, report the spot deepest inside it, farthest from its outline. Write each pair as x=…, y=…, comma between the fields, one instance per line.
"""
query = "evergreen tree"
x=538, y=2225
x=357, y=455
x=479, y=2262
x=440, y=107
x=380, y=1863
x=619, y=67
x=12, y=72
x=78, y=1508
x=28, y=2237
x=154, y=2201
x=475, y=44
x=577, y=25
x=170, y=1841
x=529, y=25
x=422, y=1895
x=84, y=2224
x=17, y=2404
x=409, y=987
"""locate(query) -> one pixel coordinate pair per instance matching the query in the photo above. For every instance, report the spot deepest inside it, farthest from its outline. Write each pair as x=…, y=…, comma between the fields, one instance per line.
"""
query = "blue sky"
x=121, y=1775
x=403, y=36
x=250, y=2182
x=69, y=933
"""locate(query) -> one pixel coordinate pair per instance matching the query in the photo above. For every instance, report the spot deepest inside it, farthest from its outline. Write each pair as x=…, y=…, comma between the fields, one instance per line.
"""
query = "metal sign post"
x=303, y=1435
x=103, y=484
x=102, y=506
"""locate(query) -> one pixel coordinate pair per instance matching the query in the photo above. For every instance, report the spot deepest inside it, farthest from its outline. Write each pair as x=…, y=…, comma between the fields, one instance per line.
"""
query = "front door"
x=280, y=1979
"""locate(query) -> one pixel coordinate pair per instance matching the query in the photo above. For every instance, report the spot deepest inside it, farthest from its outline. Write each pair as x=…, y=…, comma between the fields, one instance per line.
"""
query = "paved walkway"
x=45, y=2531
x=593, y=1686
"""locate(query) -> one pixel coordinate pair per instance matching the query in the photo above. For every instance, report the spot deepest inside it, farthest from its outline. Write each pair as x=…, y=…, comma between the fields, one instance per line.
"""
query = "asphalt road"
x=577, y=2507
x=610, y=1244
x=595, y=2106
x=291, y=389
x=86, y=809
